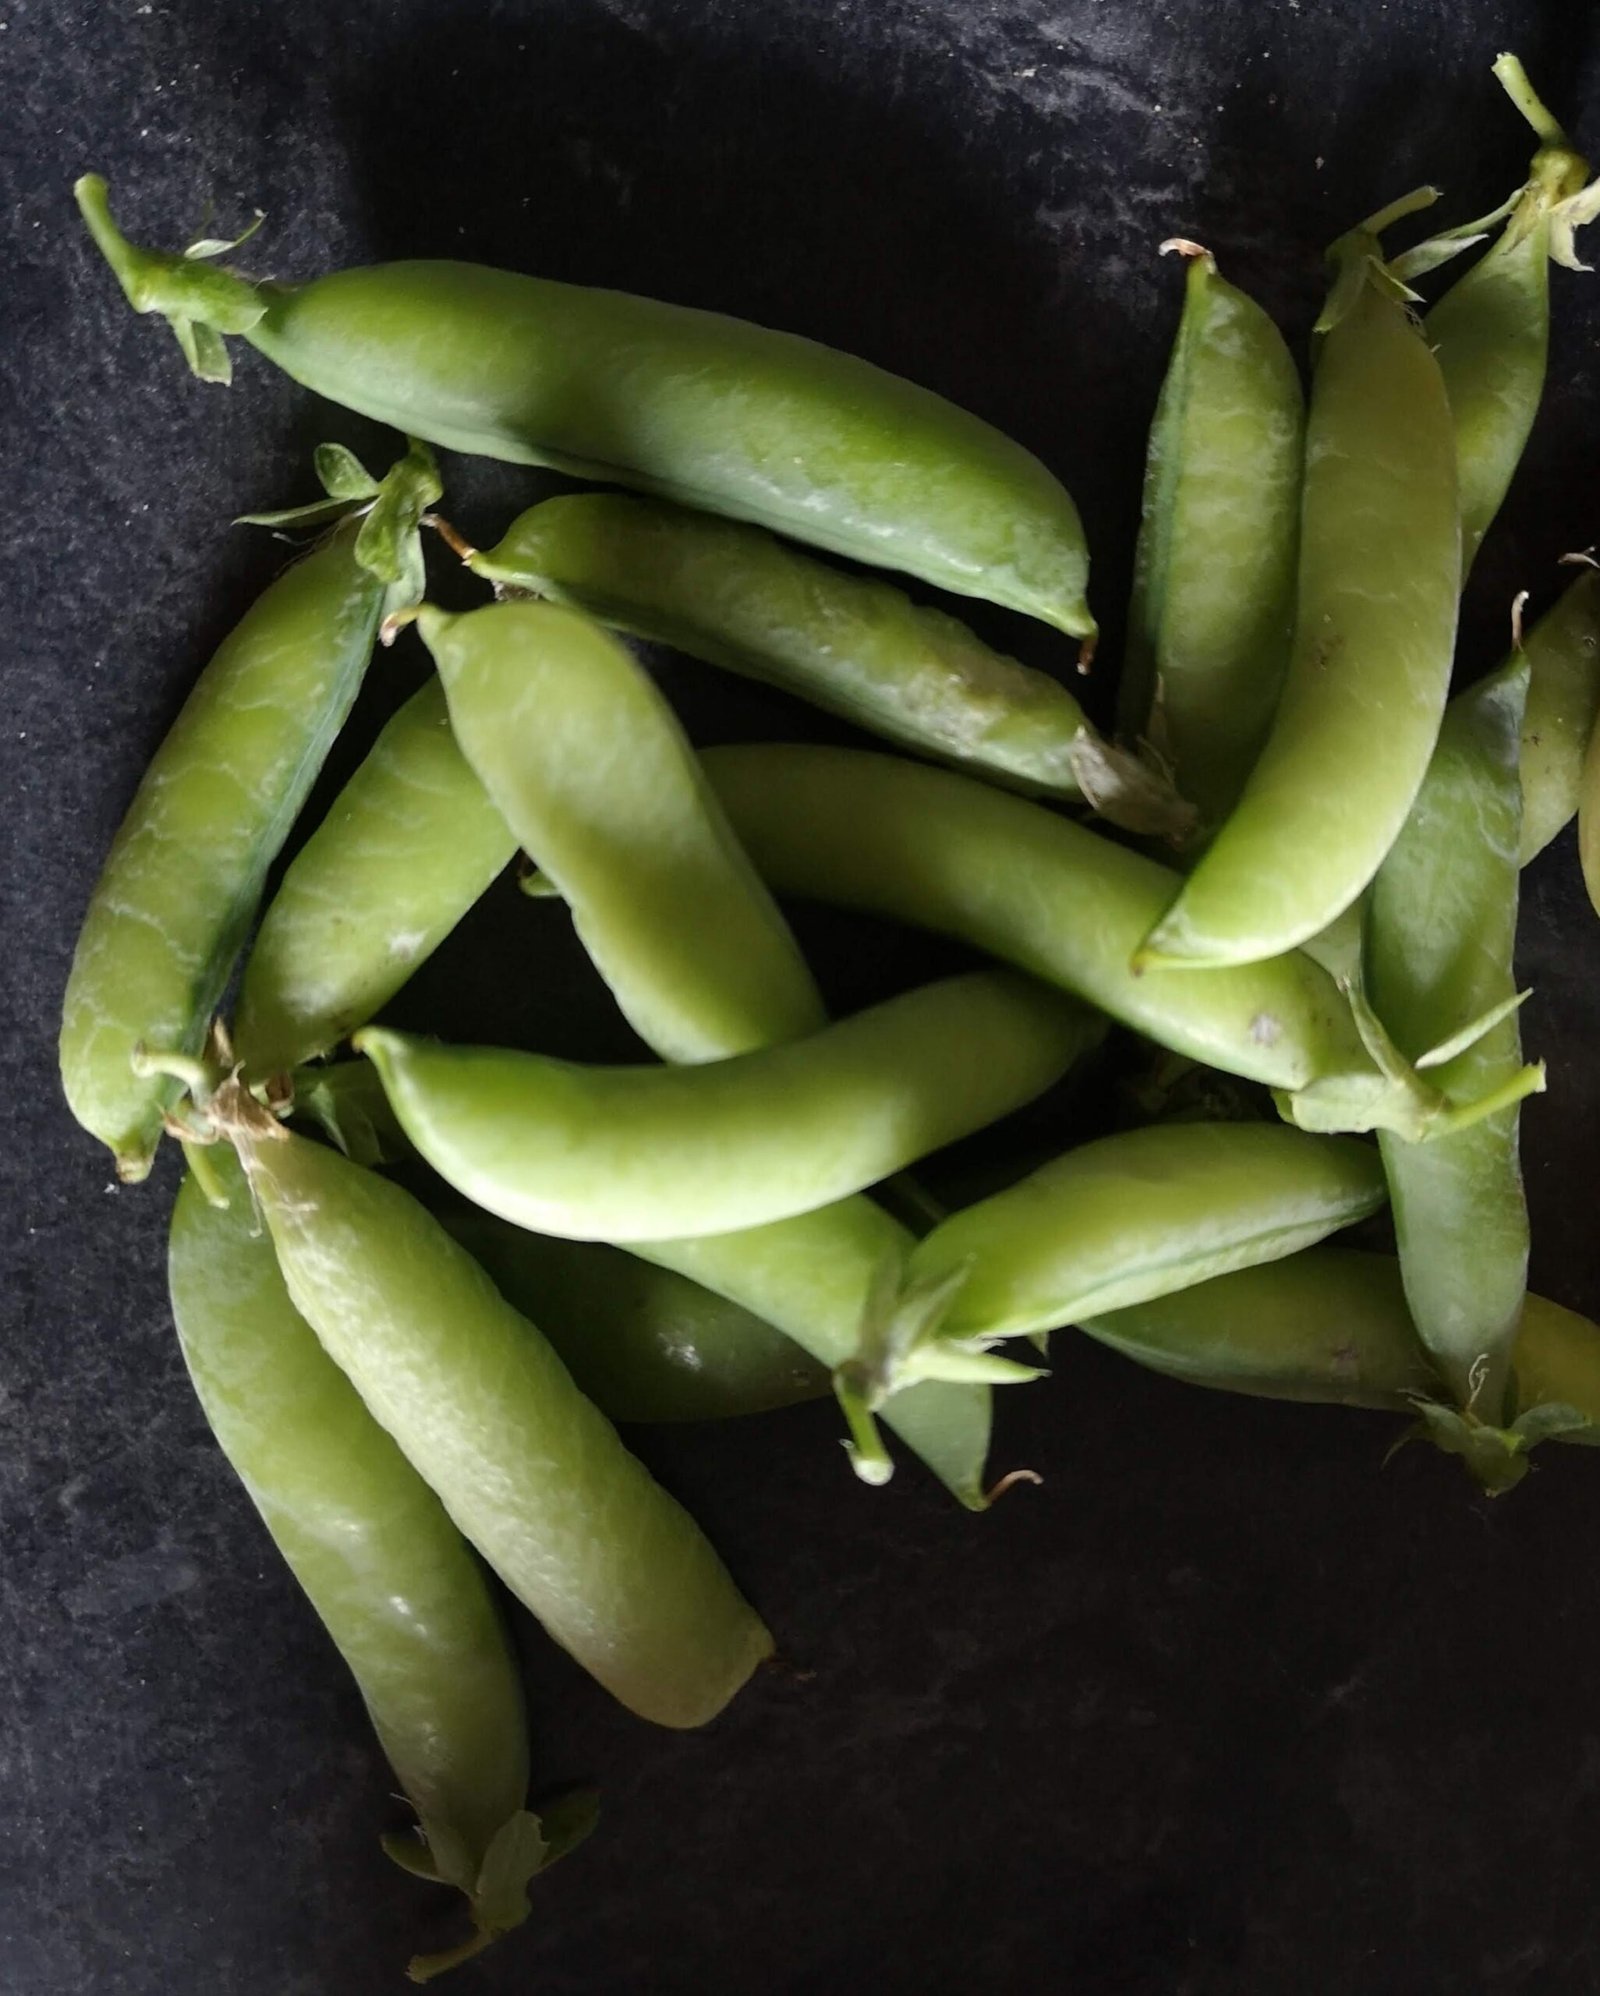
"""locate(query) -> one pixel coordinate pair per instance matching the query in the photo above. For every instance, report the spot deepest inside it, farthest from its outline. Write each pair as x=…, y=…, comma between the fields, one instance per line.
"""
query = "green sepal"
x=389, y=544
x=203, y=248
x=566, y=1819
x=408, y=1850
x=341, y=474
x=1128, y=787
x=1497, y=1456
x=1357, y=259
x=346, y=1103
x=1470, y=1034
x=204, y=349
x=1566, y=218
x=537, y=886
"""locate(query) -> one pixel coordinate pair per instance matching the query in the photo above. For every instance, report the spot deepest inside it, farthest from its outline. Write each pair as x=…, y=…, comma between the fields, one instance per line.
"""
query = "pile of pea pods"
x=730, y=1228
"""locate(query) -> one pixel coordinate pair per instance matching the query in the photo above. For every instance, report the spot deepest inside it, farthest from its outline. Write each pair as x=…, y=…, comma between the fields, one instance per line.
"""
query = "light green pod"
x=1563, y=653
x=652, y=1153
x=742, y=599
x=1369, y=670
x=812, y=1276
x=1491, y=329
x=940, y=851
x=1329, y=1324
x=690, y=405
x=411, y=844
x=391, y=1578
x=587, y=764
x=1440, y=937
x=180, y=885
x=643, y=1343
x=1213, y=589
x=532, y=1474
x=1137, y=1215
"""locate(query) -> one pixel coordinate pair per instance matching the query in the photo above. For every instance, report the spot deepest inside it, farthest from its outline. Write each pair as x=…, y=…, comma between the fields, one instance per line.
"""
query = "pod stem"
x=1513, y=80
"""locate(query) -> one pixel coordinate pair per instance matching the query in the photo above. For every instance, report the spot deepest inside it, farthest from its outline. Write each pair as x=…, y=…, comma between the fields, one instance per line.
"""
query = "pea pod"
x=180, y=885
x=1369, y=668
x=942, y=852
x=1136, y=1215
x=410, y=845
x=1589, y=820
x=1327, y=1324
x=858, y=647
x=1563, y=653
x=1213, y=592
x=650, y=1153
x=643, y=1343
x=1491, y=330
x=532, y=1474
x=396, y=1587
x=688, y=405
x=586, y=762
x=1440, y=935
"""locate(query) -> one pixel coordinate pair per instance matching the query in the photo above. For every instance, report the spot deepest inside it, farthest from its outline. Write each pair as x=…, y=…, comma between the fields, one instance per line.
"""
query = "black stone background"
x=1227, y=1705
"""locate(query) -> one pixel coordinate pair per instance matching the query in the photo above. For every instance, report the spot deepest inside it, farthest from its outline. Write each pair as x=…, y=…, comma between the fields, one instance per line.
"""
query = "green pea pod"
x=1440, y=936
x=813, y=1276
x=532, y=1474
x=1137, y=1215
x=1328, y=1324
x=629, y=1154
x=587, y=764
x=1369, y=668
x=741, y=599
x=178, y=890
x=391, y=1578
x=643, y=1343
x=1491, y=330
x=1213, y=591
x=1563, y=653
x=942, y=852
x=689, y=405
x=411, y=844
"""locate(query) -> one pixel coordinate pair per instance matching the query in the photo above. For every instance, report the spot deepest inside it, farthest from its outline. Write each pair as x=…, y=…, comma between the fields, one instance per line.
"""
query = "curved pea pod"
x=587, y=764
x=627, y=1154
x=856, y=646
x=1491, y=329
x=180, y=885
x=1328, y=1324
x=1137, y=1215
x=1563, y=653
x=1369, y=668
x=1440, y=936
x=813, y=1276
x=688, y=405
x=410, y=845
x=943, y=852
x=532, y=1474
x=1589, y=820
x=643, y=1343
x=1213, y=591
x=391, y=1578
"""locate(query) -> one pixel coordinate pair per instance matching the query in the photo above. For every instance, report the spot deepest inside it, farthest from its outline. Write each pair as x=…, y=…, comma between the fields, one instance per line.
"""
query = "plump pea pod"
x=1563, y=653
x=587, y=764
x=943, y=852
x=1213, y=590
x=689, y=405
x=1136, y=1215
x=652, y=1153
x=813, y=1277
x=532, y=1474
x=642, y=1342
x=1440, y=935
x=1369, y=668
x=1109, y=1225
x=1328, y=1324
x=185, y=871
x=1491, y=329
x=744, y=600
x=410, y=845
x=391, y=1577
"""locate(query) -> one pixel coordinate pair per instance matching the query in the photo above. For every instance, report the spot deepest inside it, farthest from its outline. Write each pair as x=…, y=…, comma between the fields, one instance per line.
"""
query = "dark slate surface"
x=1227, y=1705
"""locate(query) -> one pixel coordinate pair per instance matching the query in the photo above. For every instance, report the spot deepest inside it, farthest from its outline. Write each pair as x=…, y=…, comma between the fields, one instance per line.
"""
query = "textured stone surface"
x=1225, y=1706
